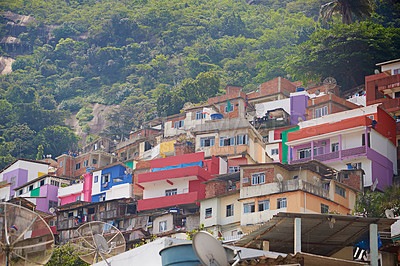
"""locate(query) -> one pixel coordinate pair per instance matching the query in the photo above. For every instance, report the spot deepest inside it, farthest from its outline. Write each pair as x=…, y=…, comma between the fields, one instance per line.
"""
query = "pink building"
x=81, y=191
x=177, y=180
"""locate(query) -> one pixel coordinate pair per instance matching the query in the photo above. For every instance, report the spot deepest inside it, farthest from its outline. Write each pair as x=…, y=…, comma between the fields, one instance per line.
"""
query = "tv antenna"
x=329, y=84
x=98, y=241
x=25, y=238
x=279, y=177
x=209, y=250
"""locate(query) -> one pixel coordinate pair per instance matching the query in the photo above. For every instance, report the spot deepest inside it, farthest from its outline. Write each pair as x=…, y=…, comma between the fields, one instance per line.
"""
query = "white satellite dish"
x=128, y=171
x=373, y=187
x=389, y=214
x=317, y=92
x=316, y=180
x=98, y=241
x=26, y=239
x=52, y=210
x=329, y=83
x=300, y=119
x=209, y=250
x=279, y=177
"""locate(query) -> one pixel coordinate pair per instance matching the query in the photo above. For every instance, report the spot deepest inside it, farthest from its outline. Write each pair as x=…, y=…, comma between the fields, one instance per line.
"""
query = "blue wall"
x=116, y=172
x=96, y=198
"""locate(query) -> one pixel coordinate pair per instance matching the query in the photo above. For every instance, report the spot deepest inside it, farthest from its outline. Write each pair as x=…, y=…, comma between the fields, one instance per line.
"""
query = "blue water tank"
x=179, y=255
x=299, y=89
x=216, y=116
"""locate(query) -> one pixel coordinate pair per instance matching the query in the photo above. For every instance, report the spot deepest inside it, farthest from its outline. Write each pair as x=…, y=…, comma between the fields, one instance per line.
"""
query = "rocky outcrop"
x=5, y=65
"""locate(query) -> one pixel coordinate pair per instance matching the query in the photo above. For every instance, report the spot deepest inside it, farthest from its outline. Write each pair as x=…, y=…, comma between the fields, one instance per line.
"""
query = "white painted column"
x=297, y=235
x=373, y=244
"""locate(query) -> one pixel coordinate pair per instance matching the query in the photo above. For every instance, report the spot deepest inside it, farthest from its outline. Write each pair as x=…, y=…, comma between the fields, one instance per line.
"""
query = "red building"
x=175, y=181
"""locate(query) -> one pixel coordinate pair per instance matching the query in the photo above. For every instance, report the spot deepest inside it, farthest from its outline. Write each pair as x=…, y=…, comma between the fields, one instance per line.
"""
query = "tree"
x=65, y=255
x=57, y=139
x=374, y=204
x=347, y=9
x=39, y=155
x=346, y=52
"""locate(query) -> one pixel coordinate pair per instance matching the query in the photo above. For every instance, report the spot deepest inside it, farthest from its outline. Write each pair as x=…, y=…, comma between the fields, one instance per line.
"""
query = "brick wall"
x=352, y=178
x=183, y=148
x=269, y=174
x=215, y=188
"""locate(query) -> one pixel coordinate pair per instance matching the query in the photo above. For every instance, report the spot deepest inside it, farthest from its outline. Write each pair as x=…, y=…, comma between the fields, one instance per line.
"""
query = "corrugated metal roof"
x=318, y=235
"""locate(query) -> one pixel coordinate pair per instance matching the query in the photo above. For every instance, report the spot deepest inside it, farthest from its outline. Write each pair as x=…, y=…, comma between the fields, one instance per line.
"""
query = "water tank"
x=180, y=254
x=299, y=89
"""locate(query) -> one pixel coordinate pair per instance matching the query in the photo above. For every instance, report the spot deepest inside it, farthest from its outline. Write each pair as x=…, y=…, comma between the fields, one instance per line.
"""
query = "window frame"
x=211, y=140
x=324, y=208
x=179, y=124
x=304, y=151
x=223, y=141
x=230, y=210
x=275, y=151
x=258, y=177
x=321, y=111
x=200, y=115
x=335, y=147
x=171, y=192
x=242, y=139
x=162, y=226
x=281, y=203
x=340, y=191
x=208, y=213
x=249, y=207
x=231, y=109
x=265, y=204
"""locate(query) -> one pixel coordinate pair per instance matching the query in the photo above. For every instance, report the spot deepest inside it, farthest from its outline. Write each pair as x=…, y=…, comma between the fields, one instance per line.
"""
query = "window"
x=318, y=150
x=30, y=188
x=200, y=115
x=233, y=169
x=258, y=178
x=396, y=71
x=341, y=191
x=70, y=214
x=20, y=192
x=275, y=152
x=77, y=166
x=61, y=163
x=324, y=208
x=54, y=183
x=242, y=139
x=304, y=153
x=179, y=124
x=91, y=211
x=226, y=109
x=13, y=179
x=52, y=223
x=397, y=94
x=170, y=192
x=162, y=226
x=229, y=210
x=281, y=203
x=363, y=140
x=41, y=183
x=85, y=163
x=335, y=147
x=263, y=205
x=208, y=212
x=321, y=111
x=226, y=141
x=78, y=198
x=249, y=207
x=96, y=179
x=357, y=166
x=105, y=178
x=94, y=161
x=102, y=198
x=207, y=141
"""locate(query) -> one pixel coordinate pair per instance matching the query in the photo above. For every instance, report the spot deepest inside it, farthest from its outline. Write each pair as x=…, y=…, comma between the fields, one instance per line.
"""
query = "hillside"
x=150, y=57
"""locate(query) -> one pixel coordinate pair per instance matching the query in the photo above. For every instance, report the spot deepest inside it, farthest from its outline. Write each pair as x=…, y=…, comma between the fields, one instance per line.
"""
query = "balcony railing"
x=270, y=123
x=335, y=155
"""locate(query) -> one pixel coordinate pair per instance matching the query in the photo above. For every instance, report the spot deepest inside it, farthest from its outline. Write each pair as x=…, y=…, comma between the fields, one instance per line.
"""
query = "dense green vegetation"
x=152, y=56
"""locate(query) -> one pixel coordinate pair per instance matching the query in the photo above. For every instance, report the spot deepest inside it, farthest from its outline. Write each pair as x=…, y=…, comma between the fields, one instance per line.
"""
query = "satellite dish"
x=316, y=180
x=300, y=119
x=209, y=250
x=279, y=177
x=317, y=92
x=25, y=238
x=329, y=83
x=98, y=241
x=374, y=184
x=389, y=214
x=52, y=210
x=128, y=170
x=376, y=71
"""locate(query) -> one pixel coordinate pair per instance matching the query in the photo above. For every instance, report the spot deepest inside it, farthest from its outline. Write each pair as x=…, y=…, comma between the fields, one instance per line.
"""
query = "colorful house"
x=81, y=190
x=177, y=180
x=362, y=138
x=112, y=182
x=19, y=173
x=43, y=191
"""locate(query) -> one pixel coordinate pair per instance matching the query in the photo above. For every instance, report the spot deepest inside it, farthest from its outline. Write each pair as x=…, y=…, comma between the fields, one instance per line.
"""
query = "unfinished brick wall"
x=352, y=178
x=269, y=174
x=215, y=189
x=183, y=148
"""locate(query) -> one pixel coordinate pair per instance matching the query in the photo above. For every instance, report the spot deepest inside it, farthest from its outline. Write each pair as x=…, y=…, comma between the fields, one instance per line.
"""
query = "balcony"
x=167, y=201
x=196, y=171
x=223, y=124
x=333, y=156
x=270, y=123
x=282, y=187
x=128, y=142
x=70, y=190
x=387, y=84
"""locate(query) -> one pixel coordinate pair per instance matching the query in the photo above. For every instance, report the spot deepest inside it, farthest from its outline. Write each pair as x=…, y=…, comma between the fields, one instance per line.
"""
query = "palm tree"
x=347, y=9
